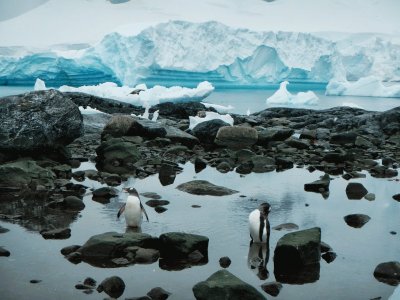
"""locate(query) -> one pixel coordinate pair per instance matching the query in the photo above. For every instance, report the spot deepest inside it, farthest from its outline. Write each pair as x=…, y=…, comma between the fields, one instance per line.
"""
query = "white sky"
x=87, y=21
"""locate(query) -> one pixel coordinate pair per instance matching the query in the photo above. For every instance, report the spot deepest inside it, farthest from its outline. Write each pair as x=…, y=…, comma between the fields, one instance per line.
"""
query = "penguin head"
x=264, y=208
x=132, y=191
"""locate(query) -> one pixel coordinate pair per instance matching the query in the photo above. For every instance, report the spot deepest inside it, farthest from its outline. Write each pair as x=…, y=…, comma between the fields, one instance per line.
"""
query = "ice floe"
x=283, y=97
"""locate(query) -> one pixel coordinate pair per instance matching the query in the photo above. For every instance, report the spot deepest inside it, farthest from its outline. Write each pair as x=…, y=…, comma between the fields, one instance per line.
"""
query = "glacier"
x=283, y=97
x=185, y=53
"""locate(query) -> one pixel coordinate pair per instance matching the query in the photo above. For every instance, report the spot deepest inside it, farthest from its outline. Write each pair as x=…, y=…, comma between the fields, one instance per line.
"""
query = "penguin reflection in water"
x=132, y=209
x=259, y=227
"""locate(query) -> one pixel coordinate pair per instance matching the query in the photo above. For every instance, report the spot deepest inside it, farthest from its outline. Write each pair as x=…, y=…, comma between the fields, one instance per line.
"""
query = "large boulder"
x=146, y=128
x=277, y=133
x=207, y=131
x=38, y=120
x=203, y=187
x=223, y=285
x=236, y=137
x=355, y=191
x=117, y=155
x=297, y=256
x=179, y=244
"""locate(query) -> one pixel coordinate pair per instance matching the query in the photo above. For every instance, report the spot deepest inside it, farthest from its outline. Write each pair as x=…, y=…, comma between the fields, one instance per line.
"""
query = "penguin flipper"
x=121, y=210
x=144, y=211
x=261, y=228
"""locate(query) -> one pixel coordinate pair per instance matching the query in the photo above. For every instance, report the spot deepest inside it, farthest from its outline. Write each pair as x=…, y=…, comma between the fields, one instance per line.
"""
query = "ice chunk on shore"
x=284, y=97
x=220, y=108
x=89, y=110
x=370, y=86
x=39, y=85
x=194, y=121
x=351, y=104
x=141, y=95
x=396, y=294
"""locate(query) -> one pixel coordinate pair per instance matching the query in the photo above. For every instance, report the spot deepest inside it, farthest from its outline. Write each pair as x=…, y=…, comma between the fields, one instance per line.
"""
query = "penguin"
x=132, y=209
x=259, y=225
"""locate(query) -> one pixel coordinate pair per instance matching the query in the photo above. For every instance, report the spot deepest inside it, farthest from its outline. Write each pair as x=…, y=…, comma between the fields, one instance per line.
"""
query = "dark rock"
x=203, y=187
x=144, y=255
x=118, y=126
x=224, y=167
x=355, y=191
x=112, y=179
x=73, y=203
x=196, y=206
x=4, y=230
x=370, y=197
x=297, y=256
x=81, y=286
x=245, y=168
x=160, y=209
x=180, y=110
x=151, y=195
x=180, y=245
x=146, y=128
x=154, y=203
x=113, y=286
x=236, y=137
x=4, y=252
x=329, y=256
x=117, y=155
x=338, y=157
x=325, y=247
x=89, y=282
x=262, y=164
x=195, y=257
x=319, y=186
x=58, y=234
x=396, y=197
x=272, y=288
x=207, y=131
x=225, y=262
x=37, y=121
x=35, y=281
x=199, y=164
x=178, y=136
x=356, y=220
x=74, y=257
x=224, y=285
x=274, y=134
x=298, y=144
x=139, y=298
x=111, y=245
x=69, y=249
x=388, y=272
x=286, y=226
x=389, y=121
x=158, y=293
x=167, y=173
x=383, y=172
x=283, y=163
x=343, y=138
x=104, y=194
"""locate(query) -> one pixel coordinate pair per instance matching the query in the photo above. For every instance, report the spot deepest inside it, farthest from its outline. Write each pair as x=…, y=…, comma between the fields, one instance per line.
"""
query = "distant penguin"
x=132, y=209
x=259, y=225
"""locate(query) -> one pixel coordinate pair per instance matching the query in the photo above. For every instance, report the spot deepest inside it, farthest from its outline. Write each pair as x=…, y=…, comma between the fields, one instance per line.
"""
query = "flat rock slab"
x=203, y=187
x=223, y=285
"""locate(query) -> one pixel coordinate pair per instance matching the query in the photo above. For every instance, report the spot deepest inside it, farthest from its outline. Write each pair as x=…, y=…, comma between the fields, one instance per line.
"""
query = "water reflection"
x=258, y=258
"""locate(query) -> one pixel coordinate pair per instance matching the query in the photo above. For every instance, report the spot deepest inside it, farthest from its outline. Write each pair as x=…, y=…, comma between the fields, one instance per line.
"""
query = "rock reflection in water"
x=167, y=173
x=258, y=258
x=296, y=275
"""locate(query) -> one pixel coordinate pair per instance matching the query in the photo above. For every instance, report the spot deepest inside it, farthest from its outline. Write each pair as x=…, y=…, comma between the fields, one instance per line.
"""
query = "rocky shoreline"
x=43, y=137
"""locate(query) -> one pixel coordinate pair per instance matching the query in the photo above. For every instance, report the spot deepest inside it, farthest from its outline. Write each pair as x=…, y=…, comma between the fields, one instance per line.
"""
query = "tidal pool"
x=224, y=221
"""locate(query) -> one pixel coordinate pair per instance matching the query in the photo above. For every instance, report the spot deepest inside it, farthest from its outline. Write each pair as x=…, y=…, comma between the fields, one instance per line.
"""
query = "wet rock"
x=272, y=288
x=383, y=172
x=199, y=164
x=355, y=191
x=151, y=195
x=37, y=121
x=4, y=252
x=203, y=187
x=113, y=286
x=178, y=136
x=117, y=126
x=180, y=110
x=286, y=226
x=319, y=186
x=225, y=262
x=224, y=285
x=283, y=163
x=25, y=173
x=167, y=173
x=104, y=194
x=3, y=230
x=147, y=128
x=262, y=164
x=89, y=282
x=117, y=155
x=160, y=209
x=224, y=167
x=396, y=197
x=297, y=143
x=244, y=168
x=325, y=247
x=35, y=281
x=338, y=157
x=207, y=131
x=180, y=245
x=158, y=293
x=139, y=298
x=388, y=272
x=56, y=234
x=74, y=257
x=111, y=179
x=69, y=249
x=154, y=203
x=81, y=286
x=236, y=137
x=111, y=245
x=72, y=203
x=356, y=220
x=143, y=255
x=329, y=256
x=297, y=256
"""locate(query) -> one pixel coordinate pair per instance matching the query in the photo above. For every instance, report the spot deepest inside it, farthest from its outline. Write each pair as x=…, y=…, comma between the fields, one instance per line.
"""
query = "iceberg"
x=185, y=53
x=370, y=86
x=40, y=85
x=210, y=115
x=220, y=108
x=283, y=97
x=142, y=96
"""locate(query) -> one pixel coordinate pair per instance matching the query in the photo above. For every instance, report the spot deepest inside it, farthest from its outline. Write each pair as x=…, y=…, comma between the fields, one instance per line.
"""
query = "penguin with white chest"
x=259, y=225
x=133, y=209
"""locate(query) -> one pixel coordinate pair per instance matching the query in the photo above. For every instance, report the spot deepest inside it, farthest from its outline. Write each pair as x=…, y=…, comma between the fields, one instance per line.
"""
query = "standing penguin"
x=132, y=209
x=259, y=225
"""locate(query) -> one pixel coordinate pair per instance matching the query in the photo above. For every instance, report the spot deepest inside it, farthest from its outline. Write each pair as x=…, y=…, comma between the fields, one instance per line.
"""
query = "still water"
x=224, y=221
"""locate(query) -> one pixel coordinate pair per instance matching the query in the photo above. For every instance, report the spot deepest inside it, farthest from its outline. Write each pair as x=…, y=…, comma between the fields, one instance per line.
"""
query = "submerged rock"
x=113, y=286
x=61, y=233
x=203, y=187
x=224, y=285
x=388, y=272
